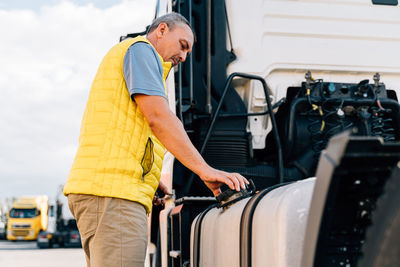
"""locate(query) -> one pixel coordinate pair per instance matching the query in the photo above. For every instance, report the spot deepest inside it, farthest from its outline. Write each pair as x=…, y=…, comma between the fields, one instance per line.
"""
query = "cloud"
x=48, y=60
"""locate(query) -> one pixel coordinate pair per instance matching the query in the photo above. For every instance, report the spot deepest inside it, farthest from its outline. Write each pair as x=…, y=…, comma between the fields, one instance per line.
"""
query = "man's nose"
x=182, y=56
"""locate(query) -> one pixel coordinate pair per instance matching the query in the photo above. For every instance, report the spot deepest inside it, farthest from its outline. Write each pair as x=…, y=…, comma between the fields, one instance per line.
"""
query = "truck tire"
x=382, y=243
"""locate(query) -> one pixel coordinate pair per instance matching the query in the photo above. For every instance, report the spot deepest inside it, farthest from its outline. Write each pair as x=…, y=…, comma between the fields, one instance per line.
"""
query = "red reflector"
x=75, y=236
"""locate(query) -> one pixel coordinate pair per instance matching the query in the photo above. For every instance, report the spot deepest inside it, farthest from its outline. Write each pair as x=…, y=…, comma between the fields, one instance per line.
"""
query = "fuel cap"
x=231, y=196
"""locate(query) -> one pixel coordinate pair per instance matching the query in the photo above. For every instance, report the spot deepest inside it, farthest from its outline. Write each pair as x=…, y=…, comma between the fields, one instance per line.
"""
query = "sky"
x=49, y=53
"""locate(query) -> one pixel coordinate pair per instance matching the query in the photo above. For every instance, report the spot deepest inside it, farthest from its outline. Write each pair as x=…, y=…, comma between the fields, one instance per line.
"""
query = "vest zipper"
x=148, y=158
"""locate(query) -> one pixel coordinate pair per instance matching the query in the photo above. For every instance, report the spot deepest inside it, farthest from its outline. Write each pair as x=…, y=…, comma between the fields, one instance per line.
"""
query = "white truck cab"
x=302, y=98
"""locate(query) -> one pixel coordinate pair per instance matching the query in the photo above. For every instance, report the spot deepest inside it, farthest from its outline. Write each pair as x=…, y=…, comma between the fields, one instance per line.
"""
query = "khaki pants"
x=113, y=230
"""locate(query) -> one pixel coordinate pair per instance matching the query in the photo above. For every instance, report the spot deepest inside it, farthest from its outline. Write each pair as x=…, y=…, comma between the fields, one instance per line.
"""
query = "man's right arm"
x=169, y=130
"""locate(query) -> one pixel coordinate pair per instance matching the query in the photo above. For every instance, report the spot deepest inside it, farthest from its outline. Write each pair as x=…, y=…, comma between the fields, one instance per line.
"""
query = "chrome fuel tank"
x=266, y=229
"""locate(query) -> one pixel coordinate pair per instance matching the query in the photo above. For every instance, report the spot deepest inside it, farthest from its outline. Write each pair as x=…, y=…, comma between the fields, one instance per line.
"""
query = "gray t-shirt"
x=143, y=70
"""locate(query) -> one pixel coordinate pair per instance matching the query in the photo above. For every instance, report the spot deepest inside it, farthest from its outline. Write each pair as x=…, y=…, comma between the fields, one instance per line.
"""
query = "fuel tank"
x=266, y=229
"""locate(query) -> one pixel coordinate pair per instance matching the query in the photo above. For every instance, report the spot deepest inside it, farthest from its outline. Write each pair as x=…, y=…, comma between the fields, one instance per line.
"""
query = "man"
x=125, y=129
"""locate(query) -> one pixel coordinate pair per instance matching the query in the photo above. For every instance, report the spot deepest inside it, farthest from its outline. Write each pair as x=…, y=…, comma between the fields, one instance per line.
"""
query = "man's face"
x=174, y=45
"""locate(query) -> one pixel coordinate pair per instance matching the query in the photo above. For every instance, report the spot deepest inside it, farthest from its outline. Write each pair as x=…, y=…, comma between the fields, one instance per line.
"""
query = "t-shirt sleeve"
x=143, y=71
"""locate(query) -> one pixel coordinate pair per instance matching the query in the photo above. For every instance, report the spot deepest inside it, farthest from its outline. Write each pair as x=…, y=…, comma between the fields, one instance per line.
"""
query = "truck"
x=27, y=217
x=301, y=97
x=3, y=221
x=62, y=230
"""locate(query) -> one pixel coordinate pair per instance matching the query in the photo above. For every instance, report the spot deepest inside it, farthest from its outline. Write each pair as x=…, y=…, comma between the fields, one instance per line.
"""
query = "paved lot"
x=26, y=254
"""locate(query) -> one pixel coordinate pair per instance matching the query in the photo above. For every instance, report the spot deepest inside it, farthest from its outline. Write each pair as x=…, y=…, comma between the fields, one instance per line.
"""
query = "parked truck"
x=27, y=218
x=302, y=98
x=3, y=221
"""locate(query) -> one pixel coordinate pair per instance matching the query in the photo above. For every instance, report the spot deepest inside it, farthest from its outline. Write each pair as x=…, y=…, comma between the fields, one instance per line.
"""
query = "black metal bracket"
x=270, y=109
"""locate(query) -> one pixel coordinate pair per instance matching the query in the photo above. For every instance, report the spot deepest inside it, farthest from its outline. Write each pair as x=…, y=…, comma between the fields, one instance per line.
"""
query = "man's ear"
x=162, y=29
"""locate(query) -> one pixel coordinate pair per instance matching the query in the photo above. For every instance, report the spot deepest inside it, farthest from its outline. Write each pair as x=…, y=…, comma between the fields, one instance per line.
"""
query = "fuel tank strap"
x=197, y=236
x=246, y=225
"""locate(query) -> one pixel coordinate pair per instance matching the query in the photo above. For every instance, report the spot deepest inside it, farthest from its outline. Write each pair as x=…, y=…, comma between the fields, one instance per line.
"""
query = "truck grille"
x=21, y=226
x=20, y=232
x=228, y=149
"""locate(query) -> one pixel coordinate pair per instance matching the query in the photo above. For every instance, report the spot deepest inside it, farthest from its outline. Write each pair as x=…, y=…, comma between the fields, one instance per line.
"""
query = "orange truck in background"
x=27, y=218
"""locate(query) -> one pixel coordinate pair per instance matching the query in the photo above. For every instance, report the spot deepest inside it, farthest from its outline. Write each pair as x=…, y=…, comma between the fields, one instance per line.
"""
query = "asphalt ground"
x=26, y=254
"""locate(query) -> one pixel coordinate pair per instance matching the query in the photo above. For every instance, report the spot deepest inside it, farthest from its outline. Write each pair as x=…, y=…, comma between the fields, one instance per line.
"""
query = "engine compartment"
x=318, y=110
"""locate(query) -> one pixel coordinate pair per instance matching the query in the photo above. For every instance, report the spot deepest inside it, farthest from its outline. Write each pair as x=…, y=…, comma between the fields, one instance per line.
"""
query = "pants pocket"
x=87, y=225
x=84, y=208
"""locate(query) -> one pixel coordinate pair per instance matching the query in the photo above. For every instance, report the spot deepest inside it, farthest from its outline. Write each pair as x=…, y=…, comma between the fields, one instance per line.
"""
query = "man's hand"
x=161, y=200
x=164, y=188
x=214, y=179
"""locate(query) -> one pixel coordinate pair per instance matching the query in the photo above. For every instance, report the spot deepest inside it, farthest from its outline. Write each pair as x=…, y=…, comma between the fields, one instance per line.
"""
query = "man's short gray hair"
x=171, y=19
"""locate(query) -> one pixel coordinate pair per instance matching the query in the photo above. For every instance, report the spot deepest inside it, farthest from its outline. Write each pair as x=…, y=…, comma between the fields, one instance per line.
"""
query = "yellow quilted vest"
x=118, y=155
